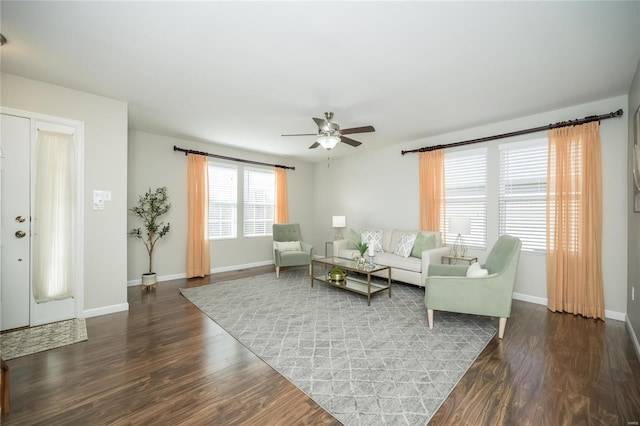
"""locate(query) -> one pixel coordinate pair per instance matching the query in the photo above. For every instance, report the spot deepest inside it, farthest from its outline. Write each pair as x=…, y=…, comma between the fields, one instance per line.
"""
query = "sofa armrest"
x=447, y=270
x=307, y=248
x=339, y=245
x=435, y=255
x=276, y=255
x=431, y=257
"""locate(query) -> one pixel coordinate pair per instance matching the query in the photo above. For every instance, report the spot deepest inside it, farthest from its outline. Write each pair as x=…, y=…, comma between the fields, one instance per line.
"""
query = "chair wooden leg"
x=4, y=388
x=430, y=318
x=501, y=327
x=277, y=272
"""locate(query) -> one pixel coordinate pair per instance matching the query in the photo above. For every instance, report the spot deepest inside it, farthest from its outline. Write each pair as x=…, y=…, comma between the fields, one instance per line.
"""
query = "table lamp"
x=339, y=222
x=460, y=226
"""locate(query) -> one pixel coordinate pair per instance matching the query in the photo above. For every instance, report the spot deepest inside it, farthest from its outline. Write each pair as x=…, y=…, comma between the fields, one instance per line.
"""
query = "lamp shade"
x=339, y=221
x=460, y=225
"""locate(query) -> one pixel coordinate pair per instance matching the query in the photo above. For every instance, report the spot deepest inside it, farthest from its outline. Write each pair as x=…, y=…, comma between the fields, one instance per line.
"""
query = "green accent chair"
x=449, y=289
x=289, y=254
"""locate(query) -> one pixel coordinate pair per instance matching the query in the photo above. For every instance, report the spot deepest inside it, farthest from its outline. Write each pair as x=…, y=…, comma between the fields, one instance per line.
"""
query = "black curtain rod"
x=575, y=122
x=240, y=160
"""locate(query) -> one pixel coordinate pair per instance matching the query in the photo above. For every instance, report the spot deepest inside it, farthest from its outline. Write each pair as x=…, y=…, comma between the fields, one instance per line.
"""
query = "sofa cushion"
x=294, y=258
x=405, y=245
x=373, y=237
x=396, y=234
x=386, y=240
x=423, y=242
x=287, y=245
x=354, y=238
x=394, y=261
x=476, y=271
x=347, y=253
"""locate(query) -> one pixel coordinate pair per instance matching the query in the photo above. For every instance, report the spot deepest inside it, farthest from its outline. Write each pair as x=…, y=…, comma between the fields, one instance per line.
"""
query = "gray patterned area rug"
x=28, y=341
x=366, y=365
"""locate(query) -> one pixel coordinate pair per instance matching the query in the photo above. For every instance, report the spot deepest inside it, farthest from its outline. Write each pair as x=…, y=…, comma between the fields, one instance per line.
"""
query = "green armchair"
x=449, y=289
x=288, y=247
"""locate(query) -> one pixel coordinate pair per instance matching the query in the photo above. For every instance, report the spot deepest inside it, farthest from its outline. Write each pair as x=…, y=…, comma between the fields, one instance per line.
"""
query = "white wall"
x=376, y=189
x=380, y=189
x=105, y=169
x=633, y=306
x=153, y=163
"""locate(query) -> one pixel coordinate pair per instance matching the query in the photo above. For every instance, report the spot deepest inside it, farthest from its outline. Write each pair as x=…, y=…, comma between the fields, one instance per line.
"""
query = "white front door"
x=18, y=307
x=15, y=141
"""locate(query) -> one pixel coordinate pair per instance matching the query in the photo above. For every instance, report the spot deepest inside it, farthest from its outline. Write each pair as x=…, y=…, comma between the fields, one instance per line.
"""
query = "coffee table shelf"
x=358, y=280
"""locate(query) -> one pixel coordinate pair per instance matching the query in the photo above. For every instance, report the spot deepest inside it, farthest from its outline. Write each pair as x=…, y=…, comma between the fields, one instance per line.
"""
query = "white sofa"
x=412, y=270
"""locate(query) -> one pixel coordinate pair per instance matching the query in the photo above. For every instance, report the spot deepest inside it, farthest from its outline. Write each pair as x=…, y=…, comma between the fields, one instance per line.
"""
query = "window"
x=259, y=201
x=523, y=192
x=466, y=194
x=223, y=201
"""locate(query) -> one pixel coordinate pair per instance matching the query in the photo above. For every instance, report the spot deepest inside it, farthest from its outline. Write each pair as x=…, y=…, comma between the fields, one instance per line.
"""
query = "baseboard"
x=618, y=316
x=162, y=278
x=239, y=267
x=530, y=299
x=159, y=279
x=634, y=337
x=105, y=310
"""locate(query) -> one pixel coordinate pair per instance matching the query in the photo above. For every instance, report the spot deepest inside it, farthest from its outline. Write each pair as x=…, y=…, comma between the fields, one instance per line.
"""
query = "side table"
x=452, y=260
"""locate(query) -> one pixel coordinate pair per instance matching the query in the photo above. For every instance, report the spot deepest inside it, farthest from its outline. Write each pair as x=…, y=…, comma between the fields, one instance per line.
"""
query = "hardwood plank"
x=165, y=362
x=625, y=374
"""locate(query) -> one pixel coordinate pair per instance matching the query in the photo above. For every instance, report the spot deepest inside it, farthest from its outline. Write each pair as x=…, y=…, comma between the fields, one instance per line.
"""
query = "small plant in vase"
x=337, y=274
x=362, y=248
x=150, y=206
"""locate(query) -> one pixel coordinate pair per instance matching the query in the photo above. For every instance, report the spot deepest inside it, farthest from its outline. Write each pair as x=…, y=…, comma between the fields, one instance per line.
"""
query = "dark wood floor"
x=164, y=362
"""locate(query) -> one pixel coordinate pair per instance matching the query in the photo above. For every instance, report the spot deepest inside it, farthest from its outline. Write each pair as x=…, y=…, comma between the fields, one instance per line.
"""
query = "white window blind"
x=259, y=200
x=466, y=194
x=523, y=192
x=223, y=201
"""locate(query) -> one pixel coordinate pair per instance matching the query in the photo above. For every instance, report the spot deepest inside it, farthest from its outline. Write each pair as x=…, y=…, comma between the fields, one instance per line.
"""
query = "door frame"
x=50, y=122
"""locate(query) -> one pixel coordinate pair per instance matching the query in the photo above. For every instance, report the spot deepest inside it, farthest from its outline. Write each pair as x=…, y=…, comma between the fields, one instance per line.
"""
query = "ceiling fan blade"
x=349, y=141
x=302, y=134
x=322, y=124
x=364, y=129
x=315, y=145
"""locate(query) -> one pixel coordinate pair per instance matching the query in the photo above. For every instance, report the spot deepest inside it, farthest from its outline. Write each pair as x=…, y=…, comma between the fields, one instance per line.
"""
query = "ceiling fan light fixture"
x=328, y=142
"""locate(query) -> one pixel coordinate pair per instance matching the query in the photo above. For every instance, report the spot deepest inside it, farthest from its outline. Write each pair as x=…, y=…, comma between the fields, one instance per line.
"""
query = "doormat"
x=15, y=344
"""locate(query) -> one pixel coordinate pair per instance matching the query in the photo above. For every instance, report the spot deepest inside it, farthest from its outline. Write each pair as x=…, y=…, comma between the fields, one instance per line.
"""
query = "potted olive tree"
x=150, y=207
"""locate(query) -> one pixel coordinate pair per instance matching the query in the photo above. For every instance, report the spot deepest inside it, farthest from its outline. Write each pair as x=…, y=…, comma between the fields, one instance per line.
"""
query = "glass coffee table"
x=358, y=278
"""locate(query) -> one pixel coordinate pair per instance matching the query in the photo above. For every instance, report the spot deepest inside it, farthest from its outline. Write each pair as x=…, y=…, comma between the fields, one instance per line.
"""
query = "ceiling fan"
x=329, y=133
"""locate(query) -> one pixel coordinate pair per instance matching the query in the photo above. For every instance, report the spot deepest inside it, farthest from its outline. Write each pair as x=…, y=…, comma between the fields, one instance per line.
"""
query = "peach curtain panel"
x=282, y=197
x=574, y=221
x=198, y=262
x=431, y=167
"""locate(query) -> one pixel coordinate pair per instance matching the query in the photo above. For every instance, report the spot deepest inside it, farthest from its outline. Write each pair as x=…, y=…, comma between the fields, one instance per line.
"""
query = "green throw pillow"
x=354, y=238
x=423, y=242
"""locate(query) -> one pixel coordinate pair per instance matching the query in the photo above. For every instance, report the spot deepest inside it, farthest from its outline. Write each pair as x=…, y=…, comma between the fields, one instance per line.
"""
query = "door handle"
x=20, y=234
x=20, y=219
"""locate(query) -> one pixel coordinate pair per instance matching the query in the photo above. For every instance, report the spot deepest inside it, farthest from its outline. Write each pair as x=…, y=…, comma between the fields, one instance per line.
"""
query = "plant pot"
x=337, y=276
x=148, y=281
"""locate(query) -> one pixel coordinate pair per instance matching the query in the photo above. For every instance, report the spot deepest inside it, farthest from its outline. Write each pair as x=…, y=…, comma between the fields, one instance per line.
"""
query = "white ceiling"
x=243, y=73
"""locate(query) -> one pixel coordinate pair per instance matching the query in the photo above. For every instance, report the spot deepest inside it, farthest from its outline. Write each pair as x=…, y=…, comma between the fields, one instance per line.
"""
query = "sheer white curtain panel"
x=53, y=217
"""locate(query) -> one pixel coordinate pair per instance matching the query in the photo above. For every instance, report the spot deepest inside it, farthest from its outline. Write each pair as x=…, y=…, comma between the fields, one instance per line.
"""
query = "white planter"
x=148, y=281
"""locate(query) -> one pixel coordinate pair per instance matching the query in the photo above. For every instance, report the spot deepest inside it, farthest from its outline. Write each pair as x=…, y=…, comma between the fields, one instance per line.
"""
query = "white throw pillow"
x=373, y=237
x=288, y=245
x=475, y=271
x=405, y=245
